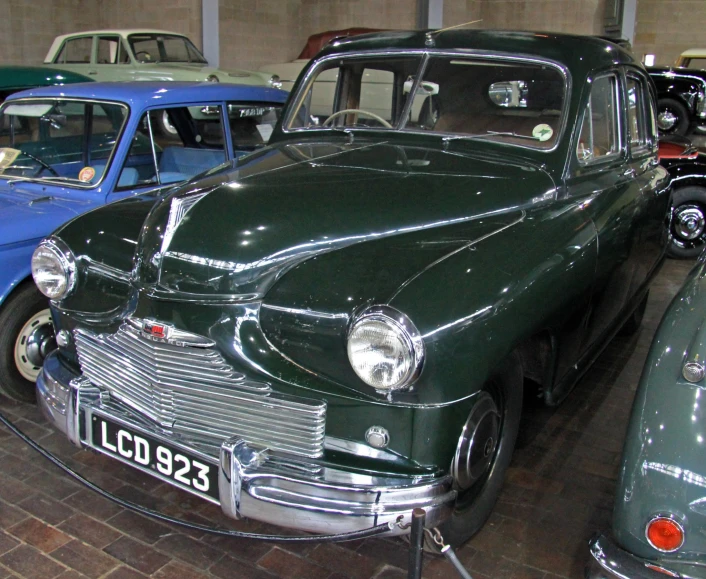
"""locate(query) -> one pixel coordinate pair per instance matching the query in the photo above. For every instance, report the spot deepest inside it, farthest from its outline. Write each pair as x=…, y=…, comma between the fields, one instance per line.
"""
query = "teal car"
x=16, y=78
x=337, y=328
x=659, y=519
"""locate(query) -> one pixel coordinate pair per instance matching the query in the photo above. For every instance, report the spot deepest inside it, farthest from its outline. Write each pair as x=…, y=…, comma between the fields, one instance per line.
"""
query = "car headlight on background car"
x=275, y=81
x=385, y=349
x=54, y=268
x=212, y=78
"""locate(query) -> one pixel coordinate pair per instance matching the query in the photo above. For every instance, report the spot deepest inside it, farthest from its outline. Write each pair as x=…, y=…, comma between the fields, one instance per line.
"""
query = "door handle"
x=92, y=72
x=629, y=172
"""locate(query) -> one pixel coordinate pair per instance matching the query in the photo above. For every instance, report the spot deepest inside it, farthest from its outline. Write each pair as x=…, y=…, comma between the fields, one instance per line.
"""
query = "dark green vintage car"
x=336, y=329
x=659, y=520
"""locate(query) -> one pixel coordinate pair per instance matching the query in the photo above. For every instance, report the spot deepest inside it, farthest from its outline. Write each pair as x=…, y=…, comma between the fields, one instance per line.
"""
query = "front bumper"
x=609, y=561
x=309, y=495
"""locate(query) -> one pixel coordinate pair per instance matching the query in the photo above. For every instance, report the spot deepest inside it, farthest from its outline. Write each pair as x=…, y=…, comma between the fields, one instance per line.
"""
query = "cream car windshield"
x=516, y=102
x=58, y=140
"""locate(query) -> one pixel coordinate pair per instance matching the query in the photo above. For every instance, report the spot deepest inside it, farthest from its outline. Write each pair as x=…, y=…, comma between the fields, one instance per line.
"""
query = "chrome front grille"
x=193, y=391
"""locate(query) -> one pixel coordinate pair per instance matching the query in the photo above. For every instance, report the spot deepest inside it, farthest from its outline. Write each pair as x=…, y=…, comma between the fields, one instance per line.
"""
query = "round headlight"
x=385, y=349
x=54, y=268
x=212, y=78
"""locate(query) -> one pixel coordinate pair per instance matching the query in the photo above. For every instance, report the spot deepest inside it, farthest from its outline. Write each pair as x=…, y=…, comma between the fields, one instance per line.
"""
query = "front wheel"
x=484, y=451
x=688, y=222
x=27, y=337
x=672, y=117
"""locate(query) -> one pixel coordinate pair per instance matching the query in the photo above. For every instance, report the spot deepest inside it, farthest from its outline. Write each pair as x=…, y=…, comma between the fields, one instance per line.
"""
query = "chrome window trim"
x=621, y=150
x=109, y=161
x=426, y=54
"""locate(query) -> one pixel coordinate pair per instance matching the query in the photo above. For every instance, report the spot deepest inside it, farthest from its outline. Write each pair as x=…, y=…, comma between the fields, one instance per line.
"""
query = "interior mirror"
x=509, y=93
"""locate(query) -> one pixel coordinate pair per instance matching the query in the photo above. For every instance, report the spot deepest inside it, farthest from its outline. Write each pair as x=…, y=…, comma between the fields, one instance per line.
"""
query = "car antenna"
x=432, y=33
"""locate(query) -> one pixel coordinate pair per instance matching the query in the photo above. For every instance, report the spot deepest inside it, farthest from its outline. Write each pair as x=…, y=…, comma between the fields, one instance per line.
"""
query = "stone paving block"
x=7, y=543
x=124, y=573
x=85, y=559
x=137, y=555
x=177, y=570
x=290, y=566
x=194, y=552
x=46, y=509
x=89, y=531
x=31, y=563
x=39, y=534
x=139, y=527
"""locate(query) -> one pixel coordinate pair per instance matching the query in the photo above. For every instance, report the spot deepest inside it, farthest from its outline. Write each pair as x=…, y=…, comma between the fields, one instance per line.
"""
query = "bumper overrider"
x=269, y=486
x=607, y=561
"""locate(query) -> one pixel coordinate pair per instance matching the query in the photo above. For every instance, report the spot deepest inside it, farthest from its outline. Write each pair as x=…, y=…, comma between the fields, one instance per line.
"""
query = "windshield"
x=506, y=100
x=164, y=48
x=58, y=140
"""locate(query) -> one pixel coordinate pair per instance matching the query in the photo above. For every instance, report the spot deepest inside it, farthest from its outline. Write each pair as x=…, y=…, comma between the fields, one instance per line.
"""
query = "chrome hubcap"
x=477, y=443
x=168, y=126
x=34, y=342
x=666, y=120
x=689, y=222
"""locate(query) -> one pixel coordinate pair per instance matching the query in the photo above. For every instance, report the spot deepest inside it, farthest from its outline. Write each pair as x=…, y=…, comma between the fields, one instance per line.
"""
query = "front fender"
x=16, y=265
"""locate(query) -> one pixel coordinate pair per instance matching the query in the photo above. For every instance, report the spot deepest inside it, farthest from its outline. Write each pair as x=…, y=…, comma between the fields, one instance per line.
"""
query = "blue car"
x=65, y=150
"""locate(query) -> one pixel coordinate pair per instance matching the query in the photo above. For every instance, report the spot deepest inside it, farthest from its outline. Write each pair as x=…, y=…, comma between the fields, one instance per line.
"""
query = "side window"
x=76, y=51
x=251, y=125
x=599, y=137
x=110, y=51
x=638, y=134
x=173, y=145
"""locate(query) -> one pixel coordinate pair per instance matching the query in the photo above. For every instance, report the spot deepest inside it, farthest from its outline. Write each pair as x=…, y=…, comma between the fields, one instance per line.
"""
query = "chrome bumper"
x=307, y=495
x=608, y=561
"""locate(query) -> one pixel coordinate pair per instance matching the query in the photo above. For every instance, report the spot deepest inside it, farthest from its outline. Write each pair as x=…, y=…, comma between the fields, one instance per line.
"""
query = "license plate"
x=173, y=464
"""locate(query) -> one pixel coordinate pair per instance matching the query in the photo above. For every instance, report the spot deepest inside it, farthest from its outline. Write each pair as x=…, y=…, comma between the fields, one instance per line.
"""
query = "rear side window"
x=76, y=51
x=637, y=109
x=599, y=138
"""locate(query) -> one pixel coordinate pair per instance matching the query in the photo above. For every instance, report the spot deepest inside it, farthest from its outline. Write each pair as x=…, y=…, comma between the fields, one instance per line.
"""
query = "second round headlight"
x=385, y=349
x=54, y=269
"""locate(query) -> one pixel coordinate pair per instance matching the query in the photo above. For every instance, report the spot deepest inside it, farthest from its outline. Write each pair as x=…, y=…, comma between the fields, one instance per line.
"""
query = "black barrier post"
x=416, y=544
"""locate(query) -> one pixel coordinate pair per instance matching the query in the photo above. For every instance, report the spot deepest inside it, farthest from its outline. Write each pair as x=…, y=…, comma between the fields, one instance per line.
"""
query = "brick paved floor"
x=559, y=491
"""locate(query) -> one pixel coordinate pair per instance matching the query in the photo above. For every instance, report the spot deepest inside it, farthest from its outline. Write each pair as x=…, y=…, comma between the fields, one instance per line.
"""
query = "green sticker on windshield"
x=7, y=157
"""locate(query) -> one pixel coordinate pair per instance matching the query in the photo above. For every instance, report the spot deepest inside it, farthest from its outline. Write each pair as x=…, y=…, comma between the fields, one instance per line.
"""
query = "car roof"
x=120, y=31
x=694, y=53
x=167, y=93
x=573, y=50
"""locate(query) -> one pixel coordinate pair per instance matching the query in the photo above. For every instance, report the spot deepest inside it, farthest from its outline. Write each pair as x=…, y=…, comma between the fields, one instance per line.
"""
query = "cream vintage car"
x=132, y=54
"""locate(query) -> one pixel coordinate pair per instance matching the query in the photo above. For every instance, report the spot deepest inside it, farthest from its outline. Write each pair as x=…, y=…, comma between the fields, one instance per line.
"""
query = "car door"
x=75, y=55
x=112, y=60
x=602, y=178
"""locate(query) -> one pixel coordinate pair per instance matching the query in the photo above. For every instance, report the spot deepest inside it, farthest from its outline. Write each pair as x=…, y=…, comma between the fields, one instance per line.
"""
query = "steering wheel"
x=44, y=165
x=148, y=56
x=337, y=114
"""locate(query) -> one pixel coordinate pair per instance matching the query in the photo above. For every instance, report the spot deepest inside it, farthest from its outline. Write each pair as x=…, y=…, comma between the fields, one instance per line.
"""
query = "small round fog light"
x=693, y=372
x=664, y=534
x=377, y=437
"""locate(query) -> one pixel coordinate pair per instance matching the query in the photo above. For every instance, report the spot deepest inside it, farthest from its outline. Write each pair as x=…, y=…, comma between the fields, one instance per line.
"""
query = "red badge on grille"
x=158, y=331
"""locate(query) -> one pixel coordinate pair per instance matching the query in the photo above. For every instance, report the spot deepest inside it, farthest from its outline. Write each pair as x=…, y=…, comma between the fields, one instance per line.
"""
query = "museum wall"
x=253, y=33
x=666, y=28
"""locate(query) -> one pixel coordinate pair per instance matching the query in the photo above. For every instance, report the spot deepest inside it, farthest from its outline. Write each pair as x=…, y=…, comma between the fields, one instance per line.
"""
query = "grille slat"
x=194, y=391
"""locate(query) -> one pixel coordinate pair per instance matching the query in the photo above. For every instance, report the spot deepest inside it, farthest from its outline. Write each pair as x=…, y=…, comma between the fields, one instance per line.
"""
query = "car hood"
x=292, y=202
x=30, y=212
x=677, y=71
x=207, y=70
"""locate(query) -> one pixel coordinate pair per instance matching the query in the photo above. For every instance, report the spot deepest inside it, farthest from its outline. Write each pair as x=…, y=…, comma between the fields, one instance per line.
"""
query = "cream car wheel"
x=33, y=343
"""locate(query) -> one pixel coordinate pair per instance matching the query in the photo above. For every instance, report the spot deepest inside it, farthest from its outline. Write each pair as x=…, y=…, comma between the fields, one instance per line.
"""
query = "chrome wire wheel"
x=34, y=341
